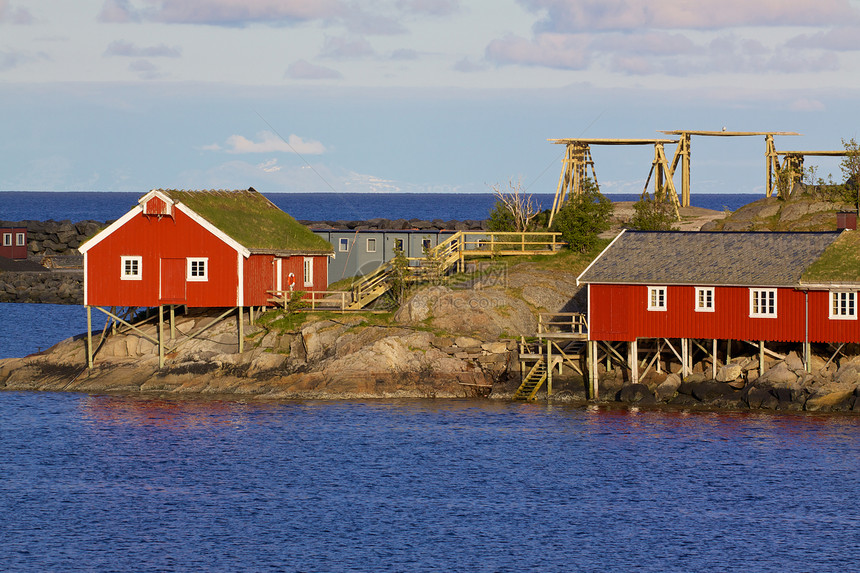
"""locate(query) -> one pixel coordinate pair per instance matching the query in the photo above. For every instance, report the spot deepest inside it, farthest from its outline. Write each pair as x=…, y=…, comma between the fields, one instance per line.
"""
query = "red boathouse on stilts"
x=212, y=249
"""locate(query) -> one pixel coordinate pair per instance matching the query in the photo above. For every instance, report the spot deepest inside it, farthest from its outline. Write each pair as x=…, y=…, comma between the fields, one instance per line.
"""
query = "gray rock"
x=668, y=388
x=729, y=372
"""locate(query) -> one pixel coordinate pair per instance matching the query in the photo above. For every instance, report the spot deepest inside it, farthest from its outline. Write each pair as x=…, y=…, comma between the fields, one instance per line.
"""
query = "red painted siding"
x=260, y=276
x=154, y=239
x=157, y=206
x=14, y=250
x=620, y=312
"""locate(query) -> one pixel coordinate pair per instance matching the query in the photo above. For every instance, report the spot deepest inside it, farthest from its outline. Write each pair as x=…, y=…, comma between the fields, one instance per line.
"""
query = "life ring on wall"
x=291, y=280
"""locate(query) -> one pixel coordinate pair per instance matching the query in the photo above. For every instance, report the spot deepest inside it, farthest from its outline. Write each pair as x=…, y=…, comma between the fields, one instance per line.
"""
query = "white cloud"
x=346, y=48
x=268, y=142
x=429, y=7
x=304, y=70
x=594, y=15
x=14, y=15
x=467, y=66
x=806, y=104
x=241, y=13
x=270, y=166
x=549, y=50
x=123, y=48
x=841, y=39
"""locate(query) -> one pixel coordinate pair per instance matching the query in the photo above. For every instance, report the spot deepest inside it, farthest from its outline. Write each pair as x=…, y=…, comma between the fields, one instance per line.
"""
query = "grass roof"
x=252, y=220
x=839, y=263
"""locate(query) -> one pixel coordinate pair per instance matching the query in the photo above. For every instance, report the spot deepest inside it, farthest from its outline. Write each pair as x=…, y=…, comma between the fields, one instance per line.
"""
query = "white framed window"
x=7, y=239
x=131, y=268
x=656, y=298
x=21, y=239
x=398, y=244
x=843, y=305
x=197, y=269
x=762, y=303
x=371, y=245
x=704, y=299
x=344, y=245
x=426, y=244
x=309, y=272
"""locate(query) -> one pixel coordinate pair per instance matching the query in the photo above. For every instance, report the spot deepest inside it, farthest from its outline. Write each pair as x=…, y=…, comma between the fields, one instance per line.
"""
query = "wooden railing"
x=567, y=322
x=328, y=299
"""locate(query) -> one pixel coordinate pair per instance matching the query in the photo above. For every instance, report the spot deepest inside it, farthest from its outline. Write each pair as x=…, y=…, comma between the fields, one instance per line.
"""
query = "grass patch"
x=252, y=220
x=839, y=263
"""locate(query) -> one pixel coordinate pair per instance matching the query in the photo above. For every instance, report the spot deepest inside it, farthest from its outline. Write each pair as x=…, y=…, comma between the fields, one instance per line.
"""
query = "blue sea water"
x=95, y=483
x=104, y=206
x=100, y=483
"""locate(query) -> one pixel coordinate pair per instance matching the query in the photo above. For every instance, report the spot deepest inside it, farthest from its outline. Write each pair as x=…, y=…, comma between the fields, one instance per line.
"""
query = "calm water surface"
x=105, y=483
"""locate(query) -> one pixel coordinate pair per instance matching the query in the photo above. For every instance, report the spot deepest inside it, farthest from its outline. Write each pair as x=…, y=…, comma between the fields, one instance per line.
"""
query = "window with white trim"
x=309, y=271
x=7, y=239
x=21, y=239
x=762, y=303
x=131, y=268
x=426, y=244
x=344, y=245
x=843, y=305
x=656, y=298
x=704, y=299
x=197, y=269
x=398, y=244
x=371, y=245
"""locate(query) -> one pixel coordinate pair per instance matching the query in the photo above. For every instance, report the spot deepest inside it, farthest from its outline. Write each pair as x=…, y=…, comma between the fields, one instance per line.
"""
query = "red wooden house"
x=202, y=249
x=755, y=286
x=13, y=242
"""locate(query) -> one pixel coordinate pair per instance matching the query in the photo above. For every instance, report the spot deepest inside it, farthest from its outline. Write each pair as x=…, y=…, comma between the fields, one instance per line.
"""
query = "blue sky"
x=411, y=95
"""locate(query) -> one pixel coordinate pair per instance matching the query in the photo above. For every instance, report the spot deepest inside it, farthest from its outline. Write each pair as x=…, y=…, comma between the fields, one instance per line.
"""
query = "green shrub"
x=651, y=215
x=583, y=217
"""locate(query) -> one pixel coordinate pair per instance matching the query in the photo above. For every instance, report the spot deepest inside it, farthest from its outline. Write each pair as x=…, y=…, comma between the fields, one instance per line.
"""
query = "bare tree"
x=522, y=207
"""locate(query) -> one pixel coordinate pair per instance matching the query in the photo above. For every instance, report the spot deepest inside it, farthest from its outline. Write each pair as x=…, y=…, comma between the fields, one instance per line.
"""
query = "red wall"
x=14, y=251
x=155, y=238
x=619, y=312
x=260, y=276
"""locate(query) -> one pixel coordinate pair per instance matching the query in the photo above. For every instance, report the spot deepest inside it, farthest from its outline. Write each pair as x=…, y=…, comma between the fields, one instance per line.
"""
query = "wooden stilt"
x=633, y=361
x=241, y=332
x=89, y=337
x=807, y=356
x=172, y=323
x=685, y=357
x=728, y=350
x=548, y=369
x=714, y=359
x=250, y=315
x=761, y=357
x=160, y=336
x=113, y=324
x=659, y=355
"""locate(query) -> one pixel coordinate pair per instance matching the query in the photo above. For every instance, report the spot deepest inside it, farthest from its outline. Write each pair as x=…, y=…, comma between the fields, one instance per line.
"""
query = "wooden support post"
x=714, y=359
x=89, y=337
x=728, y=350
x=113, y=324
x=761, y=357
x=548, y=369
x=685, y=358
x=160, y=336
x=633, y=361
x=241, y=332
x=172, y=322
x=250, y=315
x=807, y=356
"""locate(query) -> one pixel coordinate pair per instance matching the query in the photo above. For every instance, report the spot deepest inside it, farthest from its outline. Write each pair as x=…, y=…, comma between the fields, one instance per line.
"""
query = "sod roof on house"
x=705, y=258
x=839, y=264
x=252, y=220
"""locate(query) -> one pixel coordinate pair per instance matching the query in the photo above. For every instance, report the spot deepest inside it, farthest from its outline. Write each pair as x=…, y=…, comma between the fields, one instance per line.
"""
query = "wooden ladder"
x=532, y=382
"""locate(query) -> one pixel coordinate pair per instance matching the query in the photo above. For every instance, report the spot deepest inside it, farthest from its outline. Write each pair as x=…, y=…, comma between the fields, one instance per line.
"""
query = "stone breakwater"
x=49, y=238
x=51, y=287
x=399, y=224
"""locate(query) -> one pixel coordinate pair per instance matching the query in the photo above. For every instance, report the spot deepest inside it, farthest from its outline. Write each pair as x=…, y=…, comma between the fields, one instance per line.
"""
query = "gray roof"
x=704, y=258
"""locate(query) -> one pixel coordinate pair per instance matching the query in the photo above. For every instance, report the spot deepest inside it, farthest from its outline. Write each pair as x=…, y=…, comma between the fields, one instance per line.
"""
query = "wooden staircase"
x=532, y=382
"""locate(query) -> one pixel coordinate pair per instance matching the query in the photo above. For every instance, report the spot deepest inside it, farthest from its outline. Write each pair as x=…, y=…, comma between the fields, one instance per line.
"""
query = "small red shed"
x=202, y=249
x=782, y=287
x=13, y=242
